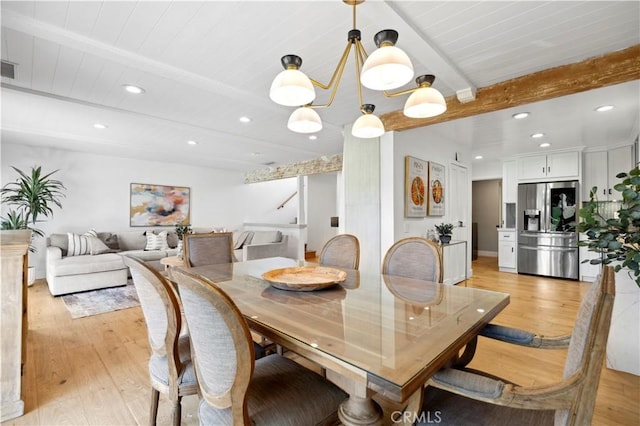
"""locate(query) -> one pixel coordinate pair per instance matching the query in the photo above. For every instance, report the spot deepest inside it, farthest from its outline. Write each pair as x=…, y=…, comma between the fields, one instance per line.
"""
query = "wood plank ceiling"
x=205, y=64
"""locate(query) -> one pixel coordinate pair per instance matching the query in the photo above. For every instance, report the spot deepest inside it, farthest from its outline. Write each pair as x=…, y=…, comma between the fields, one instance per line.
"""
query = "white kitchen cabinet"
x=509, y=181
x=559, y=165
x=507, y=250
x=588, y=272
x=601, y=168
x=454, y=262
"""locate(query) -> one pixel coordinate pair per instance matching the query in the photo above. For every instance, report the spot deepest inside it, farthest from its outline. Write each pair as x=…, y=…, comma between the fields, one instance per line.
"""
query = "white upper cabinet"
x=601, y=168
x=559, y=165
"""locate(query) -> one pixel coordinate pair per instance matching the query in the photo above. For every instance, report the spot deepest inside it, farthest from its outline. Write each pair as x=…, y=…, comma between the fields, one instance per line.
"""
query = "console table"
x=14, y=246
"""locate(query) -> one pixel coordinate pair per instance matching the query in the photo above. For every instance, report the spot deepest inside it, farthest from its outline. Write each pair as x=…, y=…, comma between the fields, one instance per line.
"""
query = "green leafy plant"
x=182, y=230
x=33, y=195
x=444, y=228
x=616, y=239
x=14, y=220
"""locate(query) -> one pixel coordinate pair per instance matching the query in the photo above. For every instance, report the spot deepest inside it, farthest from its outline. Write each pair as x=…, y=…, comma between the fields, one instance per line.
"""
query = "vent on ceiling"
x=8, y=70
x=269, y=163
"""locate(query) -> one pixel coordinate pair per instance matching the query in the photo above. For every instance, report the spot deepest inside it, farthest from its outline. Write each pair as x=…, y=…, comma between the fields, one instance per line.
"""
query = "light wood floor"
x=93, y=371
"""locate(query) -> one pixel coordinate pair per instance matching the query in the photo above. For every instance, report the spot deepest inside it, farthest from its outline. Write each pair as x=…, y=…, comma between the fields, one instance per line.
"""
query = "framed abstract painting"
x=436, y=192
x=159, y=205
x=415, y=204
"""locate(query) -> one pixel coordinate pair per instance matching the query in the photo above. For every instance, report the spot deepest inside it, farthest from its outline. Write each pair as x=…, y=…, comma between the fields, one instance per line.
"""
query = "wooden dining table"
x=372, y=333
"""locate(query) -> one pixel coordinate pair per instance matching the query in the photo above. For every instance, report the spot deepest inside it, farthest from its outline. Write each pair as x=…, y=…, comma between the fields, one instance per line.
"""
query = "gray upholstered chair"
x=414, y=257
x=235, y=389
x=170, y=366
x=342, y=251
x=462, y=396
x=208, y=249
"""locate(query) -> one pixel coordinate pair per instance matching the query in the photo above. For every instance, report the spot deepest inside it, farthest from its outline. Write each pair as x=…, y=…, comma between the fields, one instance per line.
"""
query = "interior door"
x=459, y=206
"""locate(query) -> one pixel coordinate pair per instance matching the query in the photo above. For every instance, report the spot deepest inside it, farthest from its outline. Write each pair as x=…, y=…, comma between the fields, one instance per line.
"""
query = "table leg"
x=357, y=411
x=412, y=411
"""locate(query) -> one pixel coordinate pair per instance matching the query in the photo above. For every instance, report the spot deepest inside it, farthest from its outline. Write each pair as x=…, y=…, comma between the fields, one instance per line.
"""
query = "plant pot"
x=444, y=239
x=31, y=275
x=179, y=249
x=623, y=345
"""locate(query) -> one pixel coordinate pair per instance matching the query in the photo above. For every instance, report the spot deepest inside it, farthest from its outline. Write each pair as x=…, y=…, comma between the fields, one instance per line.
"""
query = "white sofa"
x=71, y=274
x=251, y=245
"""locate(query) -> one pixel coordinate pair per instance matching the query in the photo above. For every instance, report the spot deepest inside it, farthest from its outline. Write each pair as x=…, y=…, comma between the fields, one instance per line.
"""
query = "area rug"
x=101, y=301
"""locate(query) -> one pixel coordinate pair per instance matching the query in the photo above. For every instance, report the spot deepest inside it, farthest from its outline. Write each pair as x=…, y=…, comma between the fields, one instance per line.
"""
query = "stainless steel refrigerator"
x=547, y=236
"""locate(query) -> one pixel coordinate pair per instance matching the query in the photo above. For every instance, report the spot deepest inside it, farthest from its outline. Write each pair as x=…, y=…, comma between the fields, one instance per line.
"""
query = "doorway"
x=485, y=212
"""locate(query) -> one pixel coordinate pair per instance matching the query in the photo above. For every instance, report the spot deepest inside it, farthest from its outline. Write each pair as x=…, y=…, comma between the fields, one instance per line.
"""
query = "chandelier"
x=387, y=68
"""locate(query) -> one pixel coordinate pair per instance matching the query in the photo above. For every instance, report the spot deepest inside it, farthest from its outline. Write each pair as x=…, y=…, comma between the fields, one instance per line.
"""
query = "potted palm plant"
x=31, y=197
x=444, y=231
x=617, y=242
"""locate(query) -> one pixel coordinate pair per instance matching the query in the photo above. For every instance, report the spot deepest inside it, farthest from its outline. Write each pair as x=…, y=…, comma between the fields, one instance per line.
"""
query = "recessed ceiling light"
x=478, y=157
x=604, y=108
x=537, y=135
x=545, y=145
x=245, y=119
x=100, y=126
x=520, y=115
x=313, y=137
x=133, y=89
x=192, y=142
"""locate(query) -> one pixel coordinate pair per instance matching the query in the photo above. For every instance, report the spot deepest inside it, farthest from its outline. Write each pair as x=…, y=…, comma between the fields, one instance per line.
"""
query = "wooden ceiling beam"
x=613, y=68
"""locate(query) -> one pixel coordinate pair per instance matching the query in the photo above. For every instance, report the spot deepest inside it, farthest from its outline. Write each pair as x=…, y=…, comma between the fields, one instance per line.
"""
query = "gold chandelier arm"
x=338, y=72
x=404, y=92
x=359, y=64
x=341, y=64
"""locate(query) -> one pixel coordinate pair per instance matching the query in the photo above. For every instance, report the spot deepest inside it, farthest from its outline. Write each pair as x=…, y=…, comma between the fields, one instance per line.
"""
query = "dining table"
x=371, y=333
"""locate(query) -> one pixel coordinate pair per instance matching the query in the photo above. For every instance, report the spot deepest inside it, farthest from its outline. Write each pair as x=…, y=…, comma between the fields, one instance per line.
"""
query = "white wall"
x=321, y=205
x=485, y=170
x=425, y=144
x=97, y=194
x=374, y=175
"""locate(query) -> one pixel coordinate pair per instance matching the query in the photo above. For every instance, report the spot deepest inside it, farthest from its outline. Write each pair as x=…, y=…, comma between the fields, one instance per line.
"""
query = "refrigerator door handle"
x=548, y=248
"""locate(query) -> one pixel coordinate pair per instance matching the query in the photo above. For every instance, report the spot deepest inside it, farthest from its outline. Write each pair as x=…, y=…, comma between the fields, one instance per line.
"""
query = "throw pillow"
x=156, y=241
x=96, y=246
x=242, y=238
x=78, y=245
x=110, y=240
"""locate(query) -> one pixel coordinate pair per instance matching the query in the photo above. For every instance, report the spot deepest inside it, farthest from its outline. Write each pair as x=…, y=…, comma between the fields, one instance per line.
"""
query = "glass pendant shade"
x=425, y=102
x=292, y=88
x=388, y=67
x=304, y=120
x=367, y=126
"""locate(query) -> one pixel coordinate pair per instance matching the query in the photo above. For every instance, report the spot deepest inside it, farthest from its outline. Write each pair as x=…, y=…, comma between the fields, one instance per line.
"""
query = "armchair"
x=463, y=396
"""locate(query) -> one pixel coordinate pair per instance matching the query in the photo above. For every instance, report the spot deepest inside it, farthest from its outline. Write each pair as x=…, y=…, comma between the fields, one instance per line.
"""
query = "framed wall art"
x=436, y=190
x=158, y=205
x=415, y=204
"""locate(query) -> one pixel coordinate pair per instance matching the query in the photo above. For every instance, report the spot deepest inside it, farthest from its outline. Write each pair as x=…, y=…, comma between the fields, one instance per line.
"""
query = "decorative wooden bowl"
x=304, y=278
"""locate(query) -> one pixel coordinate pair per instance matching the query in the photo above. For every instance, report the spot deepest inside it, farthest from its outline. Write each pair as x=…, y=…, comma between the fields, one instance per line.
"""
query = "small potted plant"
x=181, y=231
x=444, y=231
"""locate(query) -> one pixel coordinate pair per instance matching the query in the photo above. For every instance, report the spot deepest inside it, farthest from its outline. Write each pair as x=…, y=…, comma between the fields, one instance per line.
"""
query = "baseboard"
x=487, y=253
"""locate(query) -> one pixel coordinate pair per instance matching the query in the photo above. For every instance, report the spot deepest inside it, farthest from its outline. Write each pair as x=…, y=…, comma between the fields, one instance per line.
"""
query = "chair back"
x=414, y=257
x=221, y=344
x=587, y=348
x=342, y=251
x=208, y=249
x=161, y=310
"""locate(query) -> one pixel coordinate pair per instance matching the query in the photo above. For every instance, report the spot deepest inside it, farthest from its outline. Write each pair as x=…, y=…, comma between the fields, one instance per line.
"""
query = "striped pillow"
x=157, y=241
x=78, y=245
